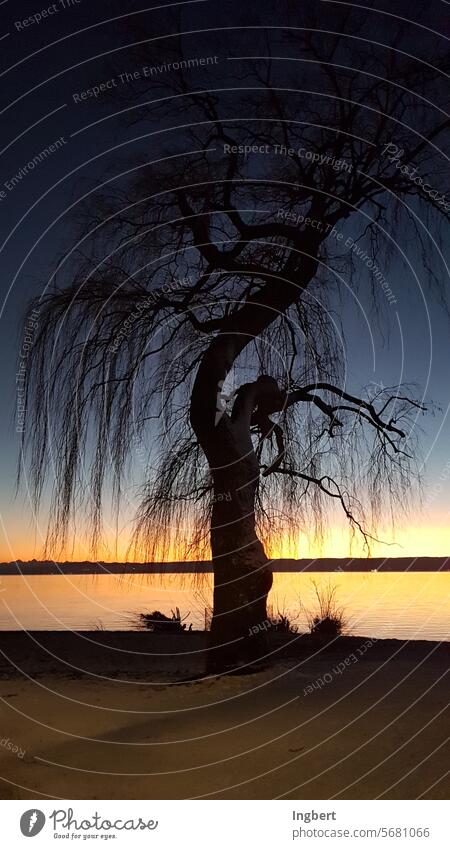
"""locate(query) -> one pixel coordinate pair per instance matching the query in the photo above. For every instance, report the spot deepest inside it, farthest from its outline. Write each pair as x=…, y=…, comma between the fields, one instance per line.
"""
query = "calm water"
x=412, y=605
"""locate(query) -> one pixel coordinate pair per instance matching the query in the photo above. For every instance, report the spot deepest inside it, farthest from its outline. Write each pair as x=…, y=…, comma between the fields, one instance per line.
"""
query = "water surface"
x=391, y=605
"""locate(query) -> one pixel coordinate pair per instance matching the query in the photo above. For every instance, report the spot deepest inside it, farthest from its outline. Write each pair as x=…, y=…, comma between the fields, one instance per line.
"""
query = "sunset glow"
x=408, y=541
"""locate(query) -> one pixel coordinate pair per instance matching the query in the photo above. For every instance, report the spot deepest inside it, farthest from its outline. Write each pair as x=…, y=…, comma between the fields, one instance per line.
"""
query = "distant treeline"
x=326, y=564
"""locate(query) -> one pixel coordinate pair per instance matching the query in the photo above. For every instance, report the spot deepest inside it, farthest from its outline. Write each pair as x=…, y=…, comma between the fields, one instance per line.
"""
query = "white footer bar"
x=224, y=824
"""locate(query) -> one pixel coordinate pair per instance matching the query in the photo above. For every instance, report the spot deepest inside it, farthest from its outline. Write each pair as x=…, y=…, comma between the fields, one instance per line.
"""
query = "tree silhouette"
x=199, y=309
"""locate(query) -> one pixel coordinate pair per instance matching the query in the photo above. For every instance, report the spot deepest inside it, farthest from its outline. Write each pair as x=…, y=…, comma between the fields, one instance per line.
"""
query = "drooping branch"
x=358, y=406
x=332, y=489
x=360, y=409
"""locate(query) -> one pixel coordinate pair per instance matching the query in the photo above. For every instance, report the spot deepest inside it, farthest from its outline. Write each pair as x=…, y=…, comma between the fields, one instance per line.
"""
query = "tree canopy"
x=212, y=266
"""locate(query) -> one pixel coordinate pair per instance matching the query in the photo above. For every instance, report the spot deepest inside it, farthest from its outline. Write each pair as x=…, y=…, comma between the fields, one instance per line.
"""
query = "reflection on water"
x=408, y=605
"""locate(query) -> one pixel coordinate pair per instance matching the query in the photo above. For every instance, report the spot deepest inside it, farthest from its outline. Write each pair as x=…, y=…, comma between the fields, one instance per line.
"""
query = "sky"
x=47, y=62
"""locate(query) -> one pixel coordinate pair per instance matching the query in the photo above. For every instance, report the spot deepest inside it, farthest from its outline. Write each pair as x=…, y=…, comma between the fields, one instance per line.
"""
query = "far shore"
x=326, y=564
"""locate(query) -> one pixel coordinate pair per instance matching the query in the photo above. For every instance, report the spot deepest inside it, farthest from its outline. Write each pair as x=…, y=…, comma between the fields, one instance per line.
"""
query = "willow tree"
x=194, y=325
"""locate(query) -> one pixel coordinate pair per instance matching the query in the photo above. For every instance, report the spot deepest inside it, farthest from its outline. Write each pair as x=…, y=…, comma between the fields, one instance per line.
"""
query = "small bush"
x=280, y=621
x=160, y=623
x=329, y=621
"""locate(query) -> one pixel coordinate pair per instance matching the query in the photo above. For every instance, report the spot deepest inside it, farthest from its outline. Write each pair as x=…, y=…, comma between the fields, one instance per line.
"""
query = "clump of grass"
x=204, y=605
x=160, y=623
x=329, y=620
x=280, y=620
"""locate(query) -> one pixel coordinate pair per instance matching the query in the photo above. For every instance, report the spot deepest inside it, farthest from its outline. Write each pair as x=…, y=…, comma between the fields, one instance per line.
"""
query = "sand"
x=100, y=715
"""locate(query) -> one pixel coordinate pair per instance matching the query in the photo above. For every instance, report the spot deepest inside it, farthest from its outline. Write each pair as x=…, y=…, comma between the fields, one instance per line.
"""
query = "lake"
x=413, y=606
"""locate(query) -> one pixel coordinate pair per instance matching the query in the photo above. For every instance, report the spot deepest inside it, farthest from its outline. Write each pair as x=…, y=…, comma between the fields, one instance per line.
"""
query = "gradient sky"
x=37, y=107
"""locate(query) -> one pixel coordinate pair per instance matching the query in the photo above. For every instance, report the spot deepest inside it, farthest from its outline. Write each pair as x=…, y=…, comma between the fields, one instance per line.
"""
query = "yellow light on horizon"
x=408, y=541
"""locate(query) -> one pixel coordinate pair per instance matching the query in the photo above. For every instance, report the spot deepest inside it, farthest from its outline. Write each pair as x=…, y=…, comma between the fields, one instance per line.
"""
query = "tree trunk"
x=242, y=575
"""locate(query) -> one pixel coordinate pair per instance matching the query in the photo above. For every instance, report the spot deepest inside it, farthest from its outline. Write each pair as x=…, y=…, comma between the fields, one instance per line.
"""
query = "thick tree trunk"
x=242, y=575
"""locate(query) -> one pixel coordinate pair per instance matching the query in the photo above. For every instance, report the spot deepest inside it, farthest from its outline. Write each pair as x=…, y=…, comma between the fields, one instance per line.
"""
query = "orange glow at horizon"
x=408, y=541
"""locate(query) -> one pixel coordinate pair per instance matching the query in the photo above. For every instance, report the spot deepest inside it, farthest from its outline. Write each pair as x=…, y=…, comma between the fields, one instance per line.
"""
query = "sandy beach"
x=127, y=715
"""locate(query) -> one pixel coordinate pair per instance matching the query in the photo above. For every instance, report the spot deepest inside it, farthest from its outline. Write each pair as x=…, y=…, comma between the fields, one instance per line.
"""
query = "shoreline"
x=58, y=653
x=326, y=564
